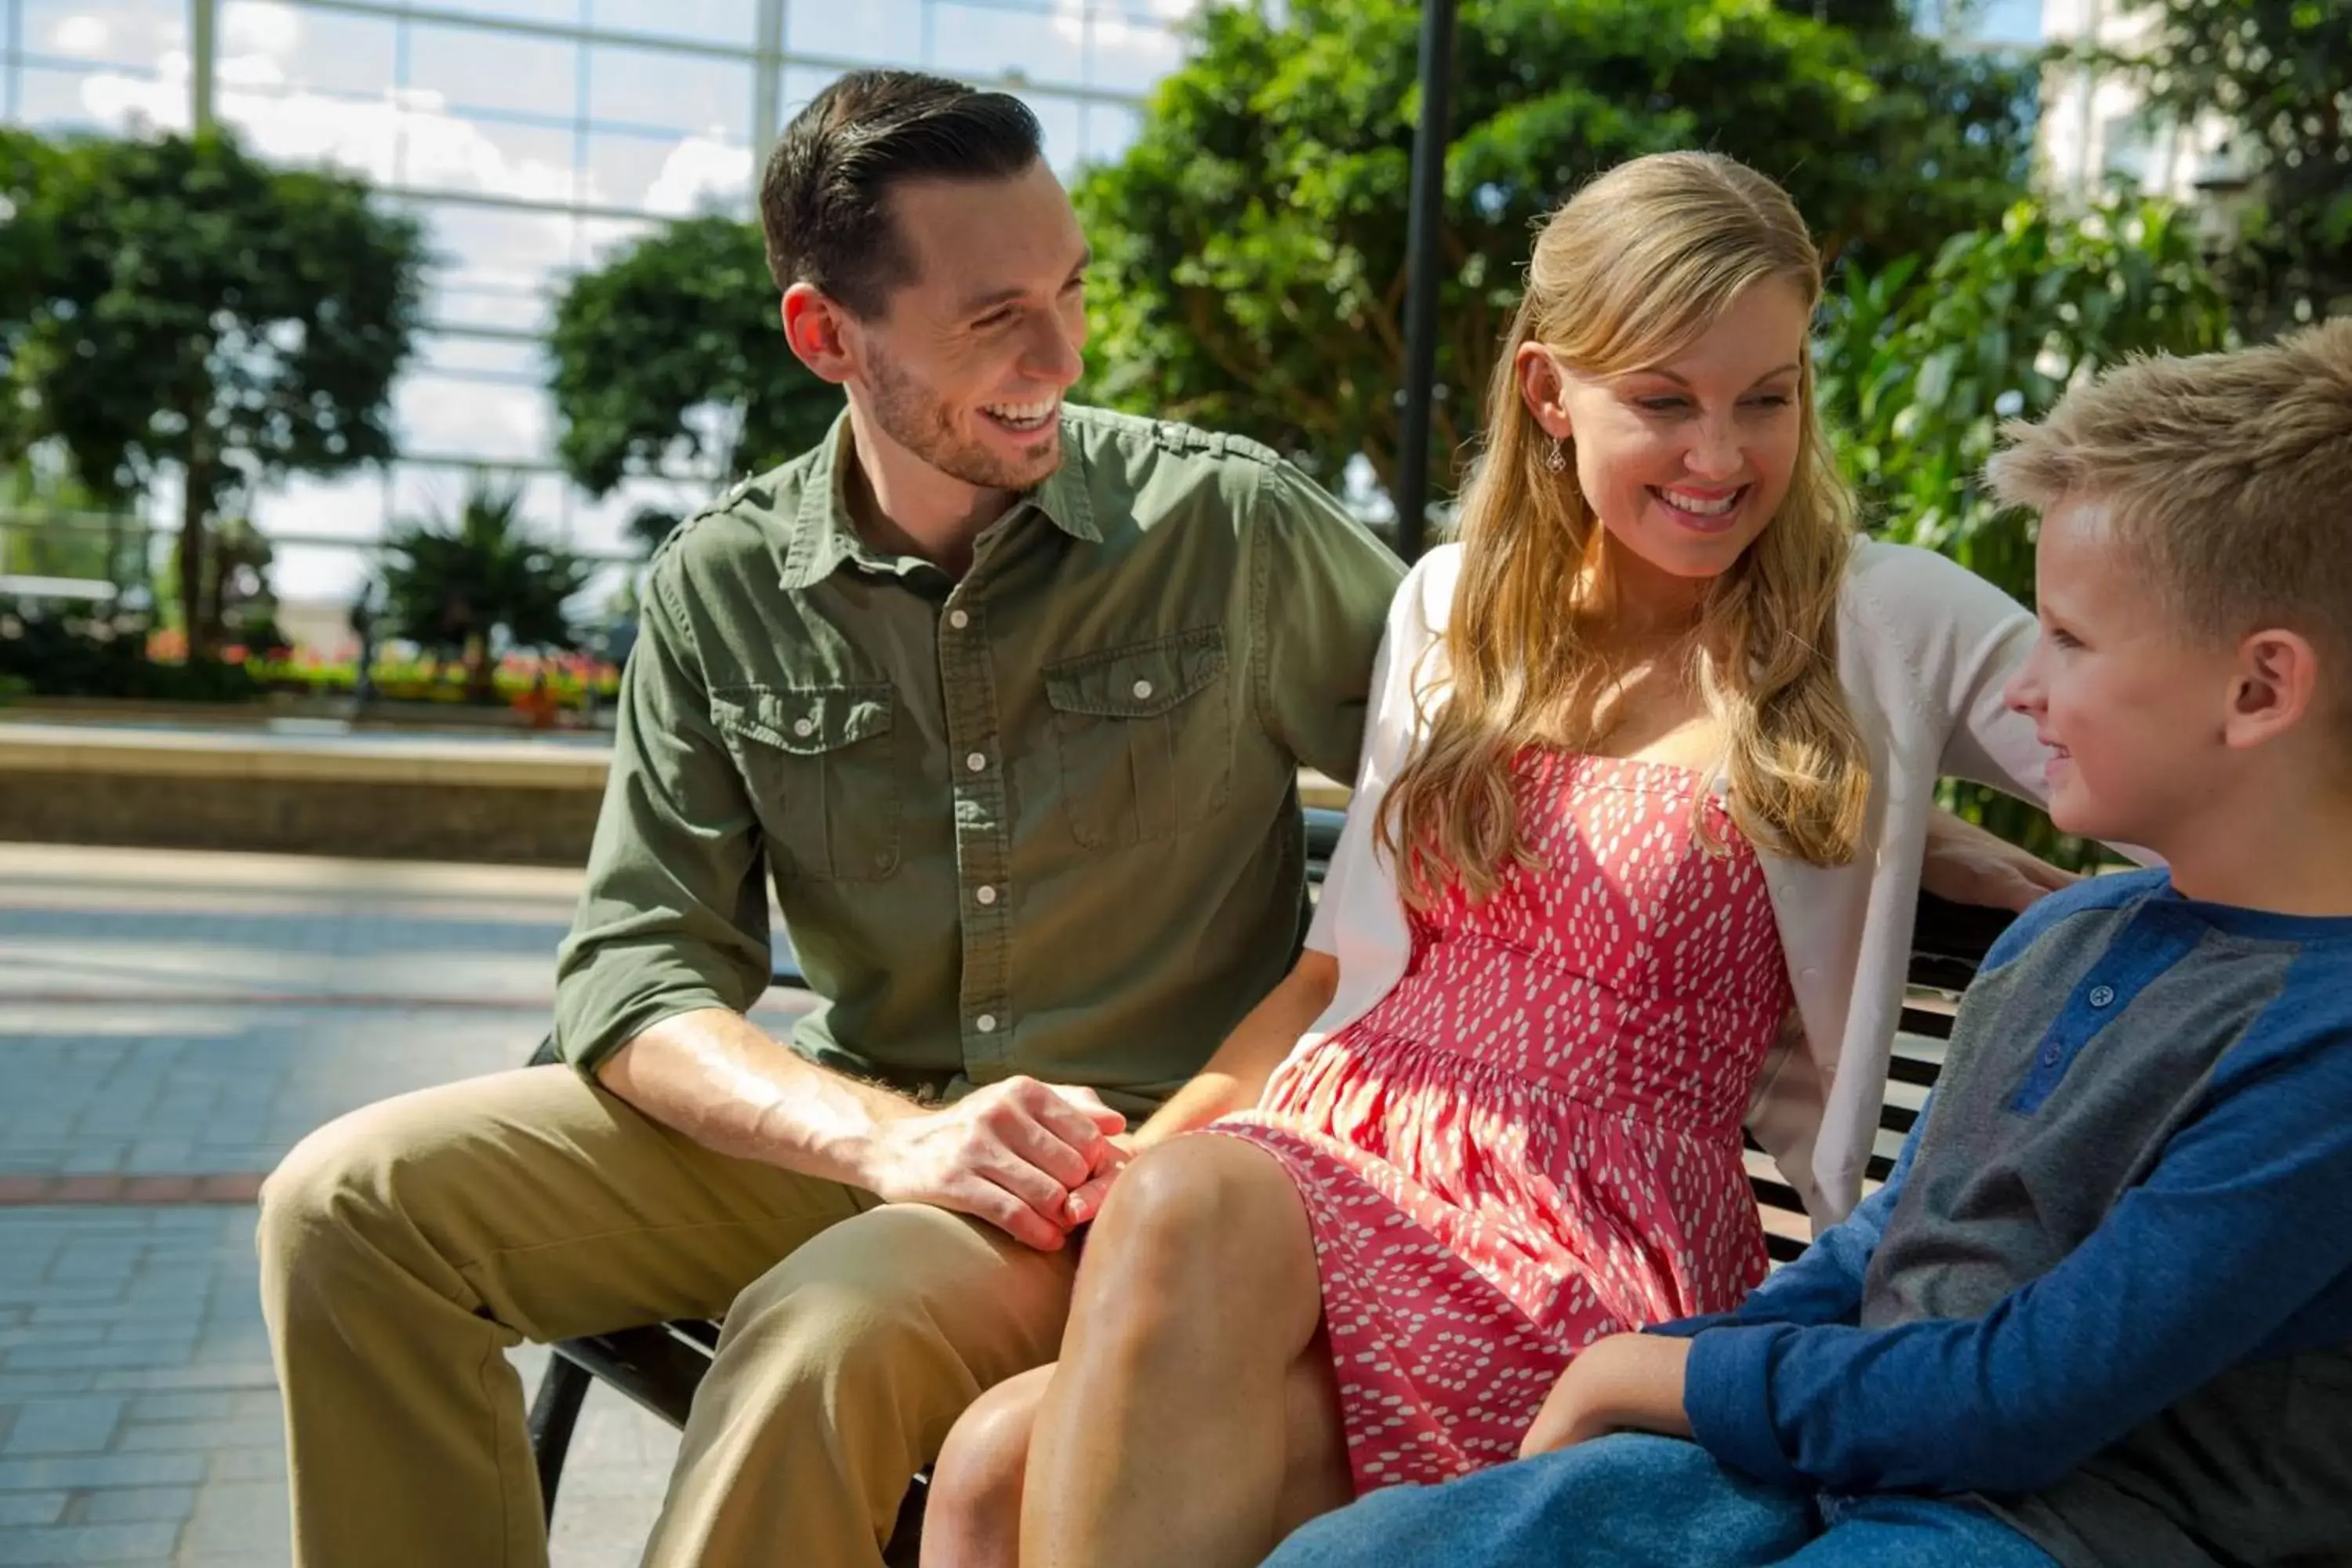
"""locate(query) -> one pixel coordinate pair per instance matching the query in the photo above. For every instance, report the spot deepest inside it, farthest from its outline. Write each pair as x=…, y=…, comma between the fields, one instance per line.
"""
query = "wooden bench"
x=660, y=1366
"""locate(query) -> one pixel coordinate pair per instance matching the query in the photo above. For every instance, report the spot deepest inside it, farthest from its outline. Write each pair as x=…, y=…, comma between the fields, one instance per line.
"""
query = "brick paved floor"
x=194, y=1016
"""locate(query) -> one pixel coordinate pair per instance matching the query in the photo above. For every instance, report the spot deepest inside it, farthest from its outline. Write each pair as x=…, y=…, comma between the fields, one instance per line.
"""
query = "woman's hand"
x=1625, y=1382
x=1969, y=866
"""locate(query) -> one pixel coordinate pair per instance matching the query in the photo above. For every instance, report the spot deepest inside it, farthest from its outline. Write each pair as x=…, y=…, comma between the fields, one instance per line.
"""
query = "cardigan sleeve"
x=1965, y=639
x=1358, y=887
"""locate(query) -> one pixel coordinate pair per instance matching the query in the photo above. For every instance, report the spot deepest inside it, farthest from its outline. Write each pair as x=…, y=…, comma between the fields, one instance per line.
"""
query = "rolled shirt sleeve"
x=675, y=915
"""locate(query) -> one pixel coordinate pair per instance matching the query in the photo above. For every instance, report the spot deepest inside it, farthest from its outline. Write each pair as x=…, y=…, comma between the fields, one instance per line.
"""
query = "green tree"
x=1920, y=366
x=199, y=312
x=1252, y=241
x=2279, y=74
x=455, y=585
x=670, y=357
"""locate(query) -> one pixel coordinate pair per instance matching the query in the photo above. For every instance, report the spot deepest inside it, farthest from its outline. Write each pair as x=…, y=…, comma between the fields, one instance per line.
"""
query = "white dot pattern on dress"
x=1533, y=1141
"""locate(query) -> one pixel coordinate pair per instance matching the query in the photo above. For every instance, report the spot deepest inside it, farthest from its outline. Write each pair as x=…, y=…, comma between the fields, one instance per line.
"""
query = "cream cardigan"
x=1924, y=649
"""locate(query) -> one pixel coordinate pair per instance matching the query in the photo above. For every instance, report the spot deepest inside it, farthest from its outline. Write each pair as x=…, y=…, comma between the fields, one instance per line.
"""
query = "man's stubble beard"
x=912, y=416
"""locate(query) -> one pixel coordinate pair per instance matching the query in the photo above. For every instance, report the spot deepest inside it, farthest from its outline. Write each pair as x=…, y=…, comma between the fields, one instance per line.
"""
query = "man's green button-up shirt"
x=1043, y=819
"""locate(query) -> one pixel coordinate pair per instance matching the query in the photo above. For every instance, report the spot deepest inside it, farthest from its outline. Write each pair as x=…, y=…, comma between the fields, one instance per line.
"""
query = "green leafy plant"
x=670, y=357
x=455, y=584
x=1920, y=366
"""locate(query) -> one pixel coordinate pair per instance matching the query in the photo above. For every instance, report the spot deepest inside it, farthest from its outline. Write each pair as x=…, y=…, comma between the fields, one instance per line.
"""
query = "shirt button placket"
x=983, y=832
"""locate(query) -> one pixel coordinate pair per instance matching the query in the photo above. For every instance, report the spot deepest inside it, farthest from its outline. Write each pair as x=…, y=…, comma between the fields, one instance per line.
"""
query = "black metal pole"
x=1428, y=207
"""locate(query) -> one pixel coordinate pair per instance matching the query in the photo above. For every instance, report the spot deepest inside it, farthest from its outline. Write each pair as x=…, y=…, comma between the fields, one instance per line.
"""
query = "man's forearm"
x=722, y=1081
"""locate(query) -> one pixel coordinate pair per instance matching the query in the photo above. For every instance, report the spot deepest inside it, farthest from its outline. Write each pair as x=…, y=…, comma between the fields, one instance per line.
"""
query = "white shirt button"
x=985, y=1023
x=1142, y=688
x=975, y=762
x=2103, y=995
x=803, y=727
x=986, y=895
x=957, y=619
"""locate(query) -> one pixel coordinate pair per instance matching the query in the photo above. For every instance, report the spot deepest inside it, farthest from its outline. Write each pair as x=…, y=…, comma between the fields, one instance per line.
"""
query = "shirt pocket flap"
x=1138, y=682
x=807, y=720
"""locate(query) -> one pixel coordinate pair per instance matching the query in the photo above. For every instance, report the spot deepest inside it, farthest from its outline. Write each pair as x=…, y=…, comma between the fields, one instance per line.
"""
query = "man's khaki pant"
x=406, y=1247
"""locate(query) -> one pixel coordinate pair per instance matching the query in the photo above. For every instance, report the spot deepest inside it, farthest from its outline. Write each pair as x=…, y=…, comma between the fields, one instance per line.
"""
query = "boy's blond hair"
x=2231, y=473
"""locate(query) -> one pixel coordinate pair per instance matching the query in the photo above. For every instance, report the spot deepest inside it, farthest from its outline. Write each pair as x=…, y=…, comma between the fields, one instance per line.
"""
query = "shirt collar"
x=823, y=536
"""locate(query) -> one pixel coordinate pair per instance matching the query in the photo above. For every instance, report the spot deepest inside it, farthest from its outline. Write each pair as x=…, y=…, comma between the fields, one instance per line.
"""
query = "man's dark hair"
x=822, y=202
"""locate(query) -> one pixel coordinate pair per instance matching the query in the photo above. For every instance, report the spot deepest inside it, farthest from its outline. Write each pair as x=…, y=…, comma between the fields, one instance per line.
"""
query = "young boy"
x=2102, y=1312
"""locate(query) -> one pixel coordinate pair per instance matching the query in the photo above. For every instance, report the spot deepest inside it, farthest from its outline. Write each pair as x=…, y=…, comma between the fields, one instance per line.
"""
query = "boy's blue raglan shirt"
x=2109, y=1286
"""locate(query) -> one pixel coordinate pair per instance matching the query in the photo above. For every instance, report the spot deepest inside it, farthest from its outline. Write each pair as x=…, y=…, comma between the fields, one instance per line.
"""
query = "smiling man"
x=1008, y=699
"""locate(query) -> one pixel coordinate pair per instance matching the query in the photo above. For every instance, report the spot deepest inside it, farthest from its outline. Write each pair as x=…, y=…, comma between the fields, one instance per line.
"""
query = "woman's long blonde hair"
x=1628, y=274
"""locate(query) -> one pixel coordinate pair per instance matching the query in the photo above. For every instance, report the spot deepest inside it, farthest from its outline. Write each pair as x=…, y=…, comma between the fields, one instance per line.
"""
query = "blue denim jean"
x=1637, y=1502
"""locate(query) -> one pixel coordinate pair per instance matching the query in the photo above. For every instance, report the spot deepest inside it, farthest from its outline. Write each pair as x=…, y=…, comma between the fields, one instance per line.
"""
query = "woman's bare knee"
x=973, y=1519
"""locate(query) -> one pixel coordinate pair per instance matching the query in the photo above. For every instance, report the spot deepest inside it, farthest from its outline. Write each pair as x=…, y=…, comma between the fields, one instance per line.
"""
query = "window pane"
x=498, y=360
x=799, y=85
x=134, y=33
x=597, y=240
x=566, y=12
x=669, y=174
x=604, y=524
x=659, y=89
x=990, y=40
x=426, y=491
x=348, y=508
x=1110, y=130
x=466, y=68
x=884, y=32
x=292, y=126
x=264, y=43
x=492, y=268
x=443, y=417
x=1059, y=117
x=1131, y=56
x=711, y=21
x=527, y=162
x=85, y=100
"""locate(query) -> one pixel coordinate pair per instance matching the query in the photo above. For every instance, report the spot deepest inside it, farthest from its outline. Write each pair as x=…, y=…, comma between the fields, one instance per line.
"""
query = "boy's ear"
x=2274, y=685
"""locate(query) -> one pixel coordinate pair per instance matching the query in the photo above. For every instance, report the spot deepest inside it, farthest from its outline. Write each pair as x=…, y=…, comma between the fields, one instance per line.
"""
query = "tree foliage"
x=456, y=585
x=670, y=358
x=1919, y=365
x=2278, y=73
x=187, y=309
x=1252, y=241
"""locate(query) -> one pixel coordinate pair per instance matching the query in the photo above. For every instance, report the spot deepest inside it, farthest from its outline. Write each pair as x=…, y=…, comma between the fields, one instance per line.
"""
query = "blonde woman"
x=1632, y=862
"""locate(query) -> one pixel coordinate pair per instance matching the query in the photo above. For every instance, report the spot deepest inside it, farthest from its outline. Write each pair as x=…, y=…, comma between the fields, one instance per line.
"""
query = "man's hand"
x=1087, y=1201
x=1625, y=1382
x=1969, y=866
x=1011, y=1153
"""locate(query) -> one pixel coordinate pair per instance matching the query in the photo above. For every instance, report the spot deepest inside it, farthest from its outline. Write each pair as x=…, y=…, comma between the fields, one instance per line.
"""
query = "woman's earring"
x=1557, y=458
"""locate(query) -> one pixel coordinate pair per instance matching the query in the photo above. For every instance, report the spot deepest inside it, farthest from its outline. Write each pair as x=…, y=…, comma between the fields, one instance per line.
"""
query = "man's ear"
x=817, y=329
x=2274, y=685
x=1543, y=390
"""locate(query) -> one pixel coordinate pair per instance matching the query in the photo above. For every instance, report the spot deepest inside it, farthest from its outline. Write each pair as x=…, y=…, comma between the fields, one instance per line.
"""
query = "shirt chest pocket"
x=821, y=765
x=1144, y=738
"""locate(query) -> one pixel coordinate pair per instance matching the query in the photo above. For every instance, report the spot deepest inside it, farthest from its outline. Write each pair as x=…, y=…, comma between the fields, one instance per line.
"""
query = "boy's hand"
x=1626, y=1380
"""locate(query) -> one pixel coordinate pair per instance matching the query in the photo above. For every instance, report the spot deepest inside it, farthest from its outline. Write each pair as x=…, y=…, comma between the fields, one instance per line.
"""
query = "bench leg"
x=554, y=1413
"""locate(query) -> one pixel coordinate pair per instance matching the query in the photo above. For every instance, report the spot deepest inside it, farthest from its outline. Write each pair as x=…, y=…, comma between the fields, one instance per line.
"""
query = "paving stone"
x=64, y=1427
x=137, y=1505
x=248, y=1516
x=80, y=1471
x=92, y=1543
x=18, y=1509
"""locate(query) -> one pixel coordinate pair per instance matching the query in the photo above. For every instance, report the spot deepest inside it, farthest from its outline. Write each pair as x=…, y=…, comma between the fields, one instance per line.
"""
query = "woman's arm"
x=1232, y=1078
